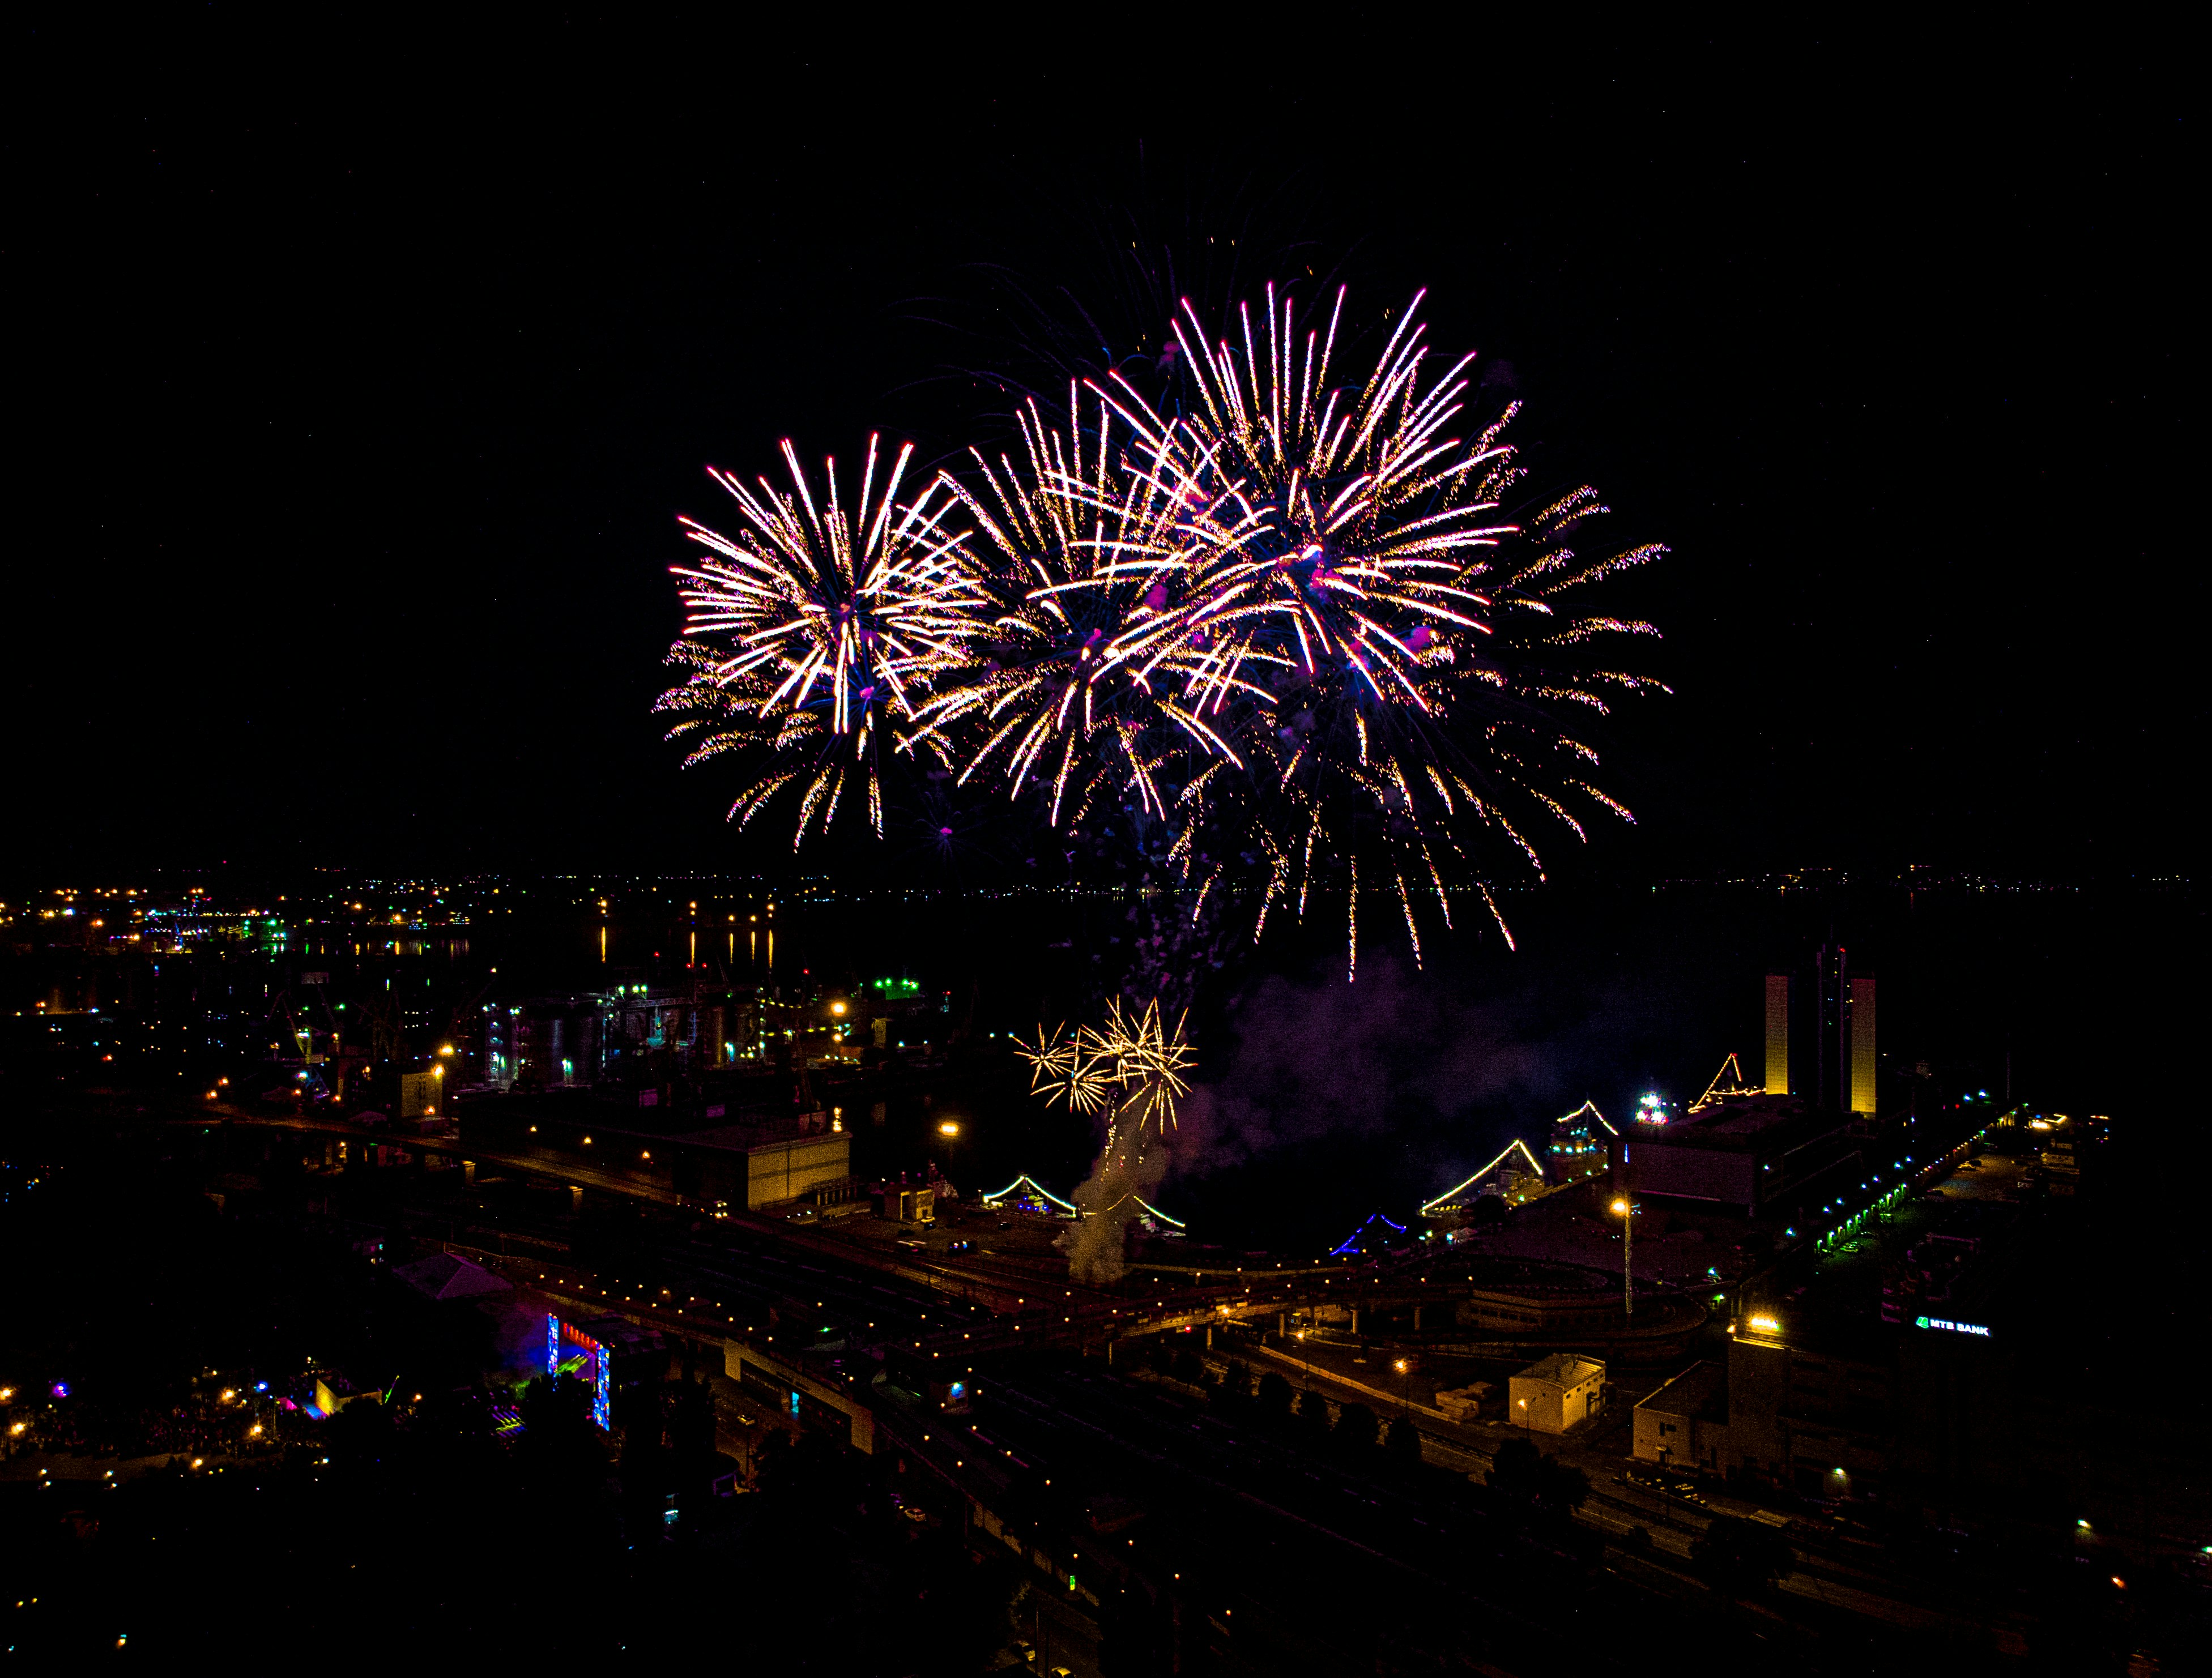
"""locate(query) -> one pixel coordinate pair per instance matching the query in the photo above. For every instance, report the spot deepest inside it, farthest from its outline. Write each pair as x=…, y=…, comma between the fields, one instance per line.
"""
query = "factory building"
x=1685, y=1423
x=750, y=1164
x=1744, y=1152
x=1556, y=1393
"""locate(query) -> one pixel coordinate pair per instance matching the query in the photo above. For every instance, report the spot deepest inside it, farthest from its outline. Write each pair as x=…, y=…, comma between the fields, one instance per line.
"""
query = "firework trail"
x=813, y=627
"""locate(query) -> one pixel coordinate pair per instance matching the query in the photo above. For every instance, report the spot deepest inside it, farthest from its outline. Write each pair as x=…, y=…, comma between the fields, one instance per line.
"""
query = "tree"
x=1561, y=1486
x=1275, y=1398
x=1739, y=1556
x=1236, y=1386
x=1356, y=1428
x=1404, y=1443
x=1312, y=1414
x=1514, y=1470
x=1524, y=1474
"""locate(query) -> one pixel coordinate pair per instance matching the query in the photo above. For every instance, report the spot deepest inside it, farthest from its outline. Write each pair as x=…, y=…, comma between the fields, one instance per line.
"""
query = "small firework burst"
x=1134, y=1065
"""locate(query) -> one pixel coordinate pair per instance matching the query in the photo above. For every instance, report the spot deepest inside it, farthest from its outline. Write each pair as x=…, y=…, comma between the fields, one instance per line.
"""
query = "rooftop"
x=1744, y=1123
x=1700, y=1391
x=444, y=1275
x=1563, y=1369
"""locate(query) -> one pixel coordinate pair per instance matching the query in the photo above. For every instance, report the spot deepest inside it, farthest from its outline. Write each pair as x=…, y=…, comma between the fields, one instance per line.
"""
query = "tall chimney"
x=1777, y=1033
x=1862, y=1062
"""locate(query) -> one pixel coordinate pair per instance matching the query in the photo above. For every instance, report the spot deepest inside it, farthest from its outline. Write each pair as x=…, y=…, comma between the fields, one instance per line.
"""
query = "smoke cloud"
x=1127, y=1167
x=1331, y=1057
x=1337, y=1099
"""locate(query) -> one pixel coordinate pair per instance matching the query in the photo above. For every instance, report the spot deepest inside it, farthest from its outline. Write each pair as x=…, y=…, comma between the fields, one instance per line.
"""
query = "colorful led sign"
x=1955, y=1328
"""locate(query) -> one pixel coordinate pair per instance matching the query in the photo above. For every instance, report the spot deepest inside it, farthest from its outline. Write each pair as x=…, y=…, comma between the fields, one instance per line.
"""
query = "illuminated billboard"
x=570, y=1351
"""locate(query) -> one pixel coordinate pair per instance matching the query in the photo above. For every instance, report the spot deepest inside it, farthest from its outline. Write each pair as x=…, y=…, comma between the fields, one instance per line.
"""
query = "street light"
x=1627, y=1255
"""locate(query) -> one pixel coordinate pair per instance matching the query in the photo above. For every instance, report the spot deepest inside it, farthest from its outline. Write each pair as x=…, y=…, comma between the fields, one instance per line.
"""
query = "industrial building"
x=1556, y=1393
x=1685, y=1423
x=747, y=1165
x=905, y=1203
x=1821, y=1418
x=1748, y=1152
x=777, y=1168
x=1919, y=1363
x=1537, y=1311
x=576, y=1041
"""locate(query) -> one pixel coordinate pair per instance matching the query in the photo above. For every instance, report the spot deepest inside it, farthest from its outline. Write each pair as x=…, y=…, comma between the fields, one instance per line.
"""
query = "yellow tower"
x=1777, y=1033
x=1863, y=1100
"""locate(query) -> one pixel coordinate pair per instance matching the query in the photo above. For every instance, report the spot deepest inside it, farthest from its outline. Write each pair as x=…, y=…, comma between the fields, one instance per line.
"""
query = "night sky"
x=356, y=392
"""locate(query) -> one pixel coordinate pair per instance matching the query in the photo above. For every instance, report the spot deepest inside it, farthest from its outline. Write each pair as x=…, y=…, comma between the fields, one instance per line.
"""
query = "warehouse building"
x=1556, y=1393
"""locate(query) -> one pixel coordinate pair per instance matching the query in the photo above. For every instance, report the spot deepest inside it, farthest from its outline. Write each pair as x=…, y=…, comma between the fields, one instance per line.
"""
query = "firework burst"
x=1362, y=593
x=1133, y=1066
x=1080, y=681
x=1308, y=625
x=814, y=628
